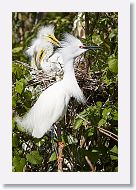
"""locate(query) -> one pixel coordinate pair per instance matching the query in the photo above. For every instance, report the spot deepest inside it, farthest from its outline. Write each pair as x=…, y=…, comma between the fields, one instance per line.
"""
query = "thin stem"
x=102, y=130
x=109, y=135
x=90, y=164
x=108, y=132
x=24, y=64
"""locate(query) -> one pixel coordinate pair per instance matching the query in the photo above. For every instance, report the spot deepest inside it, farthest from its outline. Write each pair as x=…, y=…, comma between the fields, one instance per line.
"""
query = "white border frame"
x=9, y=177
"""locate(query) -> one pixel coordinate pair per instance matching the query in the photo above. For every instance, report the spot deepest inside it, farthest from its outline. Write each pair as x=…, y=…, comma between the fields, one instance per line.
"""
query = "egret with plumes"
x=52, y=104
x=41, y=51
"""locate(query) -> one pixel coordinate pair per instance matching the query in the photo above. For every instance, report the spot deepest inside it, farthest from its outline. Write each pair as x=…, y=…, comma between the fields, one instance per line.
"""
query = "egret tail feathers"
x=31, y=126
x=22, y=123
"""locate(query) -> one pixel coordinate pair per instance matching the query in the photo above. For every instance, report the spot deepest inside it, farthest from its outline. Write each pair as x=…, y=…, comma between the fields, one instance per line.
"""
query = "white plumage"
x=48, y=109
x=53, y=102
x=41, y=52
x=42, y=42
x=53, y=66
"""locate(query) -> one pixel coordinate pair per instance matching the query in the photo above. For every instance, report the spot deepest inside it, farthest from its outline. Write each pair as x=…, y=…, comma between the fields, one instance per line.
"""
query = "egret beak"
x=54, y=40
x=39, y=56
x=90, y=47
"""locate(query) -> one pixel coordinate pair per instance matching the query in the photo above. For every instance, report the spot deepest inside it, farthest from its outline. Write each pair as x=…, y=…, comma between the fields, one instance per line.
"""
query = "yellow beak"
x=54, y=40
x=39, y=56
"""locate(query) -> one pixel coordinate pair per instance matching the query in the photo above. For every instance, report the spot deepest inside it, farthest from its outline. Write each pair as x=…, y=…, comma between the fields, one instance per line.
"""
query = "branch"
x=102, y=130
x=24, y=64
x=108, y=133
x=90, y=164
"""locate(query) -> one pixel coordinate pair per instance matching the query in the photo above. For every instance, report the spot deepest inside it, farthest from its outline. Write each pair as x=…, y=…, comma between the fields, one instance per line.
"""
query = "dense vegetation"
x=89, y=132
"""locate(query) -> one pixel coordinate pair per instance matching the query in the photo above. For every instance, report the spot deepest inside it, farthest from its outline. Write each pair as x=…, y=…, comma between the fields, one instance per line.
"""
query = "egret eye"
x=81, y=47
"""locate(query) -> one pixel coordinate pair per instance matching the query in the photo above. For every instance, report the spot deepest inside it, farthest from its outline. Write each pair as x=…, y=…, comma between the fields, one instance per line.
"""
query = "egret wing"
x=48, y=109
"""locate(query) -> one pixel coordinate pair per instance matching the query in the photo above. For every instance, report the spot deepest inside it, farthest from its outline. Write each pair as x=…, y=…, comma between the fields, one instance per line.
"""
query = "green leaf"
x=113, y=33
x=40, y=142
x=27, y=95
x=90, y=132
x=53, y=157
x=99, y=104
x=13, y=101
x=15, y=140
x=17, y=50
x=19, y=87
x=19, y=163
x=105, y=77
x=113, y=157
x=34, y=158
x=115, y=115
x=106, y=112
x=114, y=153
x=13, y=123
x=78, y=122
x=114, y=149
x=101, y=122
x=96, y=39
x=113, y=65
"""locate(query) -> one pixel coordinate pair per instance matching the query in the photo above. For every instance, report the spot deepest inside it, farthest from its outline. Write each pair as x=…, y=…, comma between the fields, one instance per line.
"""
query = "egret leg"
x=59, y=153
x=52, y=139
x=60, y=150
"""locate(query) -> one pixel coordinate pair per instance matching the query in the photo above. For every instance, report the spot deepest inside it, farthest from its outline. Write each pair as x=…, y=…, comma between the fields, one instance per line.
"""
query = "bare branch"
x=107, y=133
x=93, y=169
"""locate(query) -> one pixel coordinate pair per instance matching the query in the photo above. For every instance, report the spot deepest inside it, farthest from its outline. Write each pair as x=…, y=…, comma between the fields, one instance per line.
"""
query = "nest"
x=89, y=82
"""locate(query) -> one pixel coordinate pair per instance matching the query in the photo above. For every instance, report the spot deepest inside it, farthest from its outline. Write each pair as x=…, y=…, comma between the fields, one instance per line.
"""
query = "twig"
x=102, y=130
x=69, y=164
x=24, y=64
x=108, y=134
x=90, y=164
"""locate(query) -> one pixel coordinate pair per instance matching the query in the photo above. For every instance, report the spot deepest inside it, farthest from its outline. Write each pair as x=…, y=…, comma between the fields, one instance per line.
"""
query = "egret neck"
x=69, y=73
x=70, y=81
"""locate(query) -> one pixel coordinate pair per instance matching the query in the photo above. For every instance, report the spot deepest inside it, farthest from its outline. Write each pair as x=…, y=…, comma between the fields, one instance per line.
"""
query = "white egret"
x=41, y=50
x=53, y=102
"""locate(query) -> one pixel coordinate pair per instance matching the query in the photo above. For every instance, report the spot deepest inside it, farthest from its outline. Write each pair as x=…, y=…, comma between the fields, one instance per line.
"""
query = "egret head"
x=47, y=33
x=71, y=47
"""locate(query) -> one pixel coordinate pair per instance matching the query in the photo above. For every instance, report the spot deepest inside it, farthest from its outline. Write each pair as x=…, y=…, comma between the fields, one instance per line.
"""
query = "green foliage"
x=34, y=157
x=113, y=65
x=114, y=153
x=19, y=163
x=83, y=129
x=17, y=50
x=53, y=157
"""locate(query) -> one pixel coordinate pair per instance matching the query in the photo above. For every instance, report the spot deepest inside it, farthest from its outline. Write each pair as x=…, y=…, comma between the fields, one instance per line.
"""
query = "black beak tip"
x=91, y=47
